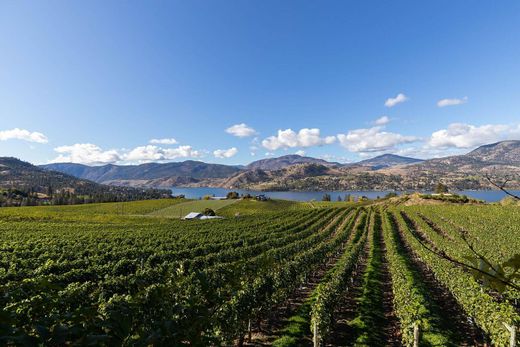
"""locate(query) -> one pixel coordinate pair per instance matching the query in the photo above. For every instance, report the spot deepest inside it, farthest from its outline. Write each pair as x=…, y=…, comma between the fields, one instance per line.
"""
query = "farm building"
x=200, y=216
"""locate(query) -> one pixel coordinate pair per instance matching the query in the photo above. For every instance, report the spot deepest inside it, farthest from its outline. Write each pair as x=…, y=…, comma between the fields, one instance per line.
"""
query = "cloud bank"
x=24, y=135
x=304, y=138
x=225, y=153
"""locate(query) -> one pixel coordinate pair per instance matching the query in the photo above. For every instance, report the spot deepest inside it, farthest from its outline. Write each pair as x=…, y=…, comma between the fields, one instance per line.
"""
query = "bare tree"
x=501, y=186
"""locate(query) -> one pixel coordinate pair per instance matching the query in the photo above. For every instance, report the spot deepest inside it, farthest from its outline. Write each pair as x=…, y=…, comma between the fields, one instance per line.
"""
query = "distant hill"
x=294, y=172
x=387, y=160
x=285, y=161
x=186, y=171
x=391, y=172
x=505, y=152
x=22, y=181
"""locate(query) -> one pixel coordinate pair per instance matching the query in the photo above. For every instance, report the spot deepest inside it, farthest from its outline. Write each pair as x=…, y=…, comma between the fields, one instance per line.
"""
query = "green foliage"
x=254, y=207
x=441, y=188
x=208, y=212
x=328, y=292
x=182, y=209
x=488, y=314
x=232, y=195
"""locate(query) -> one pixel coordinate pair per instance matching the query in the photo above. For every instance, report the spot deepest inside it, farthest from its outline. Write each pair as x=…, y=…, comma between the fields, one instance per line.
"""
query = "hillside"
x=389, y=172
x=150, y=174
x=285, y=161
x=294, y=172
x=21, y=182
x=386, y=160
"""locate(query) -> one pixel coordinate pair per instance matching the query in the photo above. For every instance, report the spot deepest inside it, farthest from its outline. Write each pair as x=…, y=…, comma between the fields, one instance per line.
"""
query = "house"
x=218, y=198
x=193, y=215
x=211, y=217
x=200, y=216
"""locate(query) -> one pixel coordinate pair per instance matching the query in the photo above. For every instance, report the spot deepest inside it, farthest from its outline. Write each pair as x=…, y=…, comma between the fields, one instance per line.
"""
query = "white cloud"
x=90, y=154
x=300, y=152
x=382, y=120
x=241, y=130
x=290, y=139
x=391, y=102
x=85, y=153
x=452, y=102
x=461, y=135
x=373, y=139
x=22, y=134
x=170, y=141
x=225, y=153
x=155, y=153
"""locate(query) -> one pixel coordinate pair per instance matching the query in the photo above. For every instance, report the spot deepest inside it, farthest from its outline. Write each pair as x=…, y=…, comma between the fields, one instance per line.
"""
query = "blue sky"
x=95, y=82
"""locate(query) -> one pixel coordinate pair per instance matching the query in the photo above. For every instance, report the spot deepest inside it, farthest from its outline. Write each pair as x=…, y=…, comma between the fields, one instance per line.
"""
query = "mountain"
x=21, y=181
x=387, y=160
x=294, y=172
x=505, y=152
x=389, y=172
x=285, y=161
x=152, y=174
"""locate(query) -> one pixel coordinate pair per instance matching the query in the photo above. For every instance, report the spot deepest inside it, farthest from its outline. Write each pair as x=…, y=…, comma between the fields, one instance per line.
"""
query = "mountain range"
x=21, y=181
x=294, y=172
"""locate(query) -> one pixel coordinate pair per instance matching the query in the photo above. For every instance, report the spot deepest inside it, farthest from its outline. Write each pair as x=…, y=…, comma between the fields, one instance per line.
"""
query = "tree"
x=208, y=212
x=232, y=195
x=339, y=198
x=326, y=197
x=441, y=188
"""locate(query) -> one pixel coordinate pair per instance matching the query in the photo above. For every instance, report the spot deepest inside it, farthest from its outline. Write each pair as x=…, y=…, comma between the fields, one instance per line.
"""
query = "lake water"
x=195, y=193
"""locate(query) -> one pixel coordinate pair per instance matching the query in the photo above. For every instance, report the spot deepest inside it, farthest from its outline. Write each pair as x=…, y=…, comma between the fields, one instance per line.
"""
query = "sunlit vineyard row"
x=337, y=274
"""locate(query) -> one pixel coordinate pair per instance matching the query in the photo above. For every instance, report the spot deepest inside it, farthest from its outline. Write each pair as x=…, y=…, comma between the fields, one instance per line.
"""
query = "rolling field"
x=284, y=274
x=182, y=209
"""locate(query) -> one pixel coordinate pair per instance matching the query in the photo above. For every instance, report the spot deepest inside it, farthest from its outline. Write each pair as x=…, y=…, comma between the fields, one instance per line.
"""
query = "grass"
x=298, y=325
x=251, y=206
x=182, y=209
x=89, y=211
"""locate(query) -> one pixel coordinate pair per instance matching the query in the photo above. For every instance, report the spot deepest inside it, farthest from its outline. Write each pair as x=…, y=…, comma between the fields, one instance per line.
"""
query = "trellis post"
x=512, y=331
x=316, y=337
x=416, y=335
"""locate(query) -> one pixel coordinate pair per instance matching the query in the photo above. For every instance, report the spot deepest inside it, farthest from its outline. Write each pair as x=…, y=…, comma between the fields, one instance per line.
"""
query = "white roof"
x=193, y=215
x=211, y=217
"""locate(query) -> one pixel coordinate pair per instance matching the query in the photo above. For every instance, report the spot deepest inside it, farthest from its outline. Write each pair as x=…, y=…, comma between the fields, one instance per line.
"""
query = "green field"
x=182, y=209
x=107, y=275
x=251, y=206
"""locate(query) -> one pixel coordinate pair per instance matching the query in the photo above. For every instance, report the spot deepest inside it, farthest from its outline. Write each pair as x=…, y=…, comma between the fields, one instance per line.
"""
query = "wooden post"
x=249, y=331
x=416, y=335
x=512, y=331
x=316, y=337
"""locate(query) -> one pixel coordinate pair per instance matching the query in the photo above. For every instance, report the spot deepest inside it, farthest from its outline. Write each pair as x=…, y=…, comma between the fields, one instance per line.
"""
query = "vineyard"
x=327, y=275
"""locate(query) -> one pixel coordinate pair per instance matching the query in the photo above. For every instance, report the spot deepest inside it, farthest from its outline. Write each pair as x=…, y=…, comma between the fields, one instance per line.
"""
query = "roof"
x=193, y=215
x=211, y=217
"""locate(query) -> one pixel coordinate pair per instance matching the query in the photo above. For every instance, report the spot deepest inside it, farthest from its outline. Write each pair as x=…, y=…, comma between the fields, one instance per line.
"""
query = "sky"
x=230, y=82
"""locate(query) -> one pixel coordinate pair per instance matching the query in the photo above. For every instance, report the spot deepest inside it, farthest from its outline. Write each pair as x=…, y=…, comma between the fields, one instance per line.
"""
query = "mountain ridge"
x=24, y=183
x=386, y=171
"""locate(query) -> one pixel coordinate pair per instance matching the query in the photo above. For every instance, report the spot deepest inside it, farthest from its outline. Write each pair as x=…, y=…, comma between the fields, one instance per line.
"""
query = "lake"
x=196, y=193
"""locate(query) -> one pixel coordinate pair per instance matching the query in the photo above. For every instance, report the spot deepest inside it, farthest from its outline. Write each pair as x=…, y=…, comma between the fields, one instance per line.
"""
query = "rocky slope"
x=285, y=161
x=294, y=172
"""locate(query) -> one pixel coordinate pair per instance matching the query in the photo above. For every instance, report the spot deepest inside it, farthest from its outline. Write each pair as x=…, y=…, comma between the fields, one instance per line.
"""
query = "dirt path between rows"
x=265, y=331
x=443, y=303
